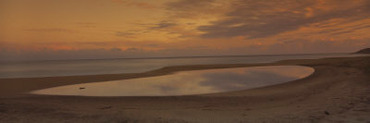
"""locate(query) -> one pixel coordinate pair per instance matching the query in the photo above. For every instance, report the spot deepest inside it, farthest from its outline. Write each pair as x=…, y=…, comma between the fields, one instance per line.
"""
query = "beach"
x=338, y=91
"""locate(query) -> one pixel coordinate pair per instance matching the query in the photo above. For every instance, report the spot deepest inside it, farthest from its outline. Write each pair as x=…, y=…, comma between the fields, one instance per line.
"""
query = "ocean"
x=32, y=69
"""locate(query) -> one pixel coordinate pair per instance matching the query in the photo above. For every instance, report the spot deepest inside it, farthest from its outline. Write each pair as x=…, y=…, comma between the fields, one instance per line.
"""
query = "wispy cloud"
x=188, y=5
x=199, y=9
x=144, y=5
x=163, y=24
x=258, y=19
x=50, y=30
x=86, y=24
x=123, y=34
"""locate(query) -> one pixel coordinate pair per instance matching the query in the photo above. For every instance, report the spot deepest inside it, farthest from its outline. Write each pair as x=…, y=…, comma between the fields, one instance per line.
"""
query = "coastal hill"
x=364, y=51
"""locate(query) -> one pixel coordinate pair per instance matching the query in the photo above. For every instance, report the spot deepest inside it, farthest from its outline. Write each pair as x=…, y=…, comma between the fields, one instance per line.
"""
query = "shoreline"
x=11, y=86
x=338, y=91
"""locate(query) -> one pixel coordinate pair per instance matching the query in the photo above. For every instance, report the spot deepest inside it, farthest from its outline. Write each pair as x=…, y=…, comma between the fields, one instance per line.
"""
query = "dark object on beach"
x=106, y=107
x=326, y=112
x=364, y=51
x=82, y=88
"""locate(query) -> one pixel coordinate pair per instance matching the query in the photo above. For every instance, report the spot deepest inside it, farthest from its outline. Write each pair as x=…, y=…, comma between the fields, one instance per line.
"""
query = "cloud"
x=318, y=46
x=116, y=49
x=188, y=5
x=163, y=24
x=50, y=30
x=133, y=49
x=134, y=3
x=86, y=24
x=123, y=34
x=258, y=19
x=353, y=29
x=197, y=9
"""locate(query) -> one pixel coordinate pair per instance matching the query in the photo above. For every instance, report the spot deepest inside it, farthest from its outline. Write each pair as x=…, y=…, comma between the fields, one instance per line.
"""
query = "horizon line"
x=168, y=57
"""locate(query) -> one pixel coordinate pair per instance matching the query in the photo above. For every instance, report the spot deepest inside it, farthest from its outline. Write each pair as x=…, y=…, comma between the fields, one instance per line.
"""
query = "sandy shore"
x=338, y=91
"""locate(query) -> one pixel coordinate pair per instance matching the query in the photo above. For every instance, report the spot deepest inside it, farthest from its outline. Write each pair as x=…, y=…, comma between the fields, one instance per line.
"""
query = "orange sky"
x=140, y=28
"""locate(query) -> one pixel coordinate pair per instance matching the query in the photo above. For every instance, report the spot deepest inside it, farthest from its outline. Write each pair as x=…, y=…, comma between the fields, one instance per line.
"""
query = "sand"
x=338, y=91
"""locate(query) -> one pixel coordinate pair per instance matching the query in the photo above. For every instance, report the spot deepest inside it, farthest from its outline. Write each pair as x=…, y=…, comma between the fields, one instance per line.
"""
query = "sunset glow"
x=60, y=29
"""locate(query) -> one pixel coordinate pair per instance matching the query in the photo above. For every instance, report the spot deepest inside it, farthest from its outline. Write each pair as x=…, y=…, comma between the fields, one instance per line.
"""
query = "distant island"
x=364, y=51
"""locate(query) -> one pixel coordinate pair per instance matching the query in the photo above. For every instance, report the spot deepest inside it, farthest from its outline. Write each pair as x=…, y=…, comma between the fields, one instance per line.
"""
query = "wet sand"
x=338, y=91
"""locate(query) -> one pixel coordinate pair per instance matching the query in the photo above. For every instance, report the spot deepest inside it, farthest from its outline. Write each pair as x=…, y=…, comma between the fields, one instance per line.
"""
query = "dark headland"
x=363, y=51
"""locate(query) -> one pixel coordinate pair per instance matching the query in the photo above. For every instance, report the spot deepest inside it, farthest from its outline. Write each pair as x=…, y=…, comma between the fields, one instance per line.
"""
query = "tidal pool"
x=187, y=82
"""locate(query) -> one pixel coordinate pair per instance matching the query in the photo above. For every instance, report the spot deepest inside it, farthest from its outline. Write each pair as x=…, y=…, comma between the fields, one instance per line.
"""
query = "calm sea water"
x=111, y=66
x=187, y=82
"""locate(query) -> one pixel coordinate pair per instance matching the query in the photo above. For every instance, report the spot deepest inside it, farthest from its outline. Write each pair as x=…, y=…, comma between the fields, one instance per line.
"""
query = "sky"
x=85, y=29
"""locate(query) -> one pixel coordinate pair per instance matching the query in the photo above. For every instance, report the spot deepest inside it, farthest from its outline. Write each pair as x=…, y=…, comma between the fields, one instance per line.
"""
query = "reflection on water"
x=188, y=82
